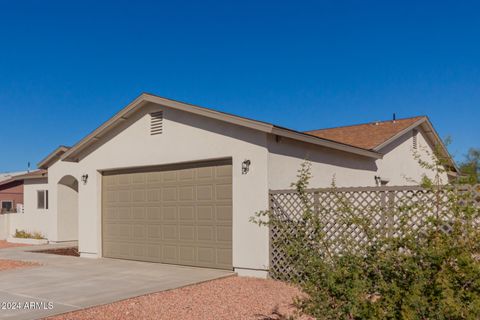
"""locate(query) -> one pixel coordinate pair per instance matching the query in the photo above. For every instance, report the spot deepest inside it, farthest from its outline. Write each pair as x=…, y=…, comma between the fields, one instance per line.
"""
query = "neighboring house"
x=12, y=191
x=31, y=190
x=166, y=181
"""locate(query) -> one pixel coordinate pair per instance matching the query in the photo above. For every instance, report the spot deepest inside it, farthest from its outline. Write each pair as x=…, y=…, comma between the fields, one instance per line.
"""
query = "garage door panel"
x=205, y=193
x=169, y=253
x=153, y=214
x=154, y=233
x=186, y=233
x=186, y=175
x=206, y=173
x=224, y=256
x=224, y=213
x=139, y=232
x=223, y=171
x=169, y=214
x=138, y=213
x=169, y=193
x=176, y=216
x=169, y=176
x=223, y=192
x=186, y=193
x=169, y=232
x=153, y=195
x=224, y=234
x=186, y=255
x=206, y=256
x=186, y=214
x=205, y=233
x=206, y=214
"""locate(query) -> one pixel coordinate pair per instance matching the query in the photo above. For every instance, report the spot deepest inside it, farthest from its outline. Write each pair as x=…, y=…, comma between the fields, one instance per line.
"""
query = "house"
x=12, y=191
x=166, y=181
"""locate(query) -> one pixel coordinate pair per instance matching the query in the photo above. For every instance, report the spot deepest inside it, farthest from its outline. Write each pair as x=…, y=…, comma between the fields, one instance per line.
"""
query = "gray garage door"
x=177, y=214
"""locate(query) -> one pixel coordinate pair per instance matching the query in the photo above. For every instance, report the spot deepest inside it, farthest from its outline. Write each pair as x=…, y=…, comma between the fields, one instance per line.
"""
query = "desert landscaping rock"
x=229, y=298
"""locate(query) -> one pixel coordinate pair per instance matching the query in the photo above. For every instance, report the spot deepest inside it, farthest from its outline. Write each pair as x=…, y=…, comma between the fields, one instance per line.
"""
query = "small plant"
x=26, y=235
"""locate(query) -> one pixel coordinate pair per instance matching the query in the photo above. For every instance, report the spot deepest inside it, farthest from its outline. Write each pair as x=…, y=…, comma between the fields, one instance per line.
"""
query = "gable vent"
x=156, y=123
x=415, y=142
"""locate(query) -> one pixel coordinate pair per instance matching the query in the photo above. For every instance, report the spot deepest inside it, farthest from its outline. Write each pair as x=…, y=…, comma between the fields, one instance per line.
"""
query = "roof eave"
x=50, y=159
x=325, y=143
x=399, y=134
x=436, y=140
x=74, y=153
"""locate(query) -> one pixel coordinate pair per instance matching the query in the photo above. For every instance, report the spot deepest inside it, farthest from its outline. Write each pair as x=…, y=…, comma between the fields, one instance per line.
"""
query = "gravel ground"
x=12, y=264
x=5, y=244
x=229, y=298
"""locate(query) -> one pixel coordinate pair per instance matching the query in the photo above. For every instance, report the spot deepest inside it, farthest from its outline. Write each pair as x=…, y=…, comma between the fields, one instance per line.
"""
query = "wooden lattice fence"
x=385, y=208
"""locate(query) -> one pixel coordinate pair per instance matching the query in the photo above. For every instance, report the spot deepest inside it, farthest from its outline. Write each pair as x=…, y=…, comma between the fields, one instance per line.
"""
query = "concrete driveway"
x=71, y=283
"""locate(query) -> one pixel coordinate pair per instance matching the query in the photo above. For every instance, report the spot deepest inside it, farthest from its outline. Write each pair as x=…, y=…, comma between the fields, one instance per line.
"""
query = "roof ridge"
x=365, y=123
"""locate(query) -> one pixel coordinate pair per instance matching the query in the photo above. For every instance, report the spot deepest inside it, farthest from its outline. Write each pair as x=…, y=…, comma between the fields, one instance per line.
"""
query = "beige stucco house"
x=166, y=181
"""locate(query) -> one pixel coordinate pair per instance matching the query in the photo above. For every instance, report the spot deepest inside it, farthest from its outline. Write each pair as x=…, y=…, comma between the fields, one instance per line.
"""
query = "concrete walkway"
x=71, y=283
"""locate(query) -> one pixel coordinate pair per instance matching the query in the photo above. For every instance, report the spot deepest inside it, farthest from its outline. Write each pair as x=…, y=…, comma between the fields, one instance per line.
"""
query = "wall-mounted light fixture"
x=246, y=166
x=380, y=181
x=85, y=178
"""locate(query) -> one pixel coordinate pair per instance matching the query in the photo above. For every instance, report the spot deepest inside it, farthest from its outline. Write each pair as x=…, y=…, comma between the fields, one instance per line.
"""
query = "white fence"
x=30, y=222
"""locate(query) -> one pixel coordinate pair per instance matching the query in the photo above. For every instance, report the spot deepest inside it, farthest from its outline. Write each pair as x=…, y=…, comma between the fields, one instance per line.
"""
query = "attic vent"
x=414, y=141
x=156, y=123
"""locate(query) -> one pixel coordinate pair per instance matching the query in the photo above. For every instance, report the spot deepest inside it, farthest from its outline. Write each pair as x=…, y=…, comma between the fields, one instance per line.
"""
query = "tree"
x=470, y=168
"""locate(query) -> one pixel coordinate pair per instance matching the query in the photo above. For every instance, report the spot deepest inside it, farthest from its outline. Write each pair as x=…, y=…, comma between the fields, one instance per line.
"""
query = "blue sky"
x=67, y=66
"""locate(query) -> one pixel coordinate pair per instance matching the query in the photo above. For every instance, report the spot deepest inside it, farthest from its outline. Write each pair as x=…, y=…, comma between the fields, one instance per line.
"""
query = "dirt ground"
x=229, y=298
x=13, y=264
x=5, y=244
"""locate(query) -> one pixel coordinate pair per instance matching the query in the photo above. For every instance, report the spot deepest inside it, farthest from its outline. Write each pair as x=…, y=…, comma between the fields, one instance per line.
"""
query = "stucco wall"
x=399, y=165
x=68, y=209
x=185, y=138
x=30, y=191
x=56, y=173
x=286, y=156
x=33, y=219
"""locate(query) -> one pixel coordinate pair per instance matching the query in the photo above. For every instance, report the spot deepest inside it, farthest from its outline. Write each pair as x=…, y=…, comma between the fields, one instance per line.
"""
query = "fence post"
x=316, y=203
x=391, y=213
x=270, y=234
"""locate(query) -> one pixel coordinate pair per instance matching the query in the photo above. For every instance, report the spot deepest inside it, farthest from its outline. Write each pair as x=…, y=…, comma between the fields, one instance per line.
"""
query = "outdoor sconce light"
x=85, y=178
x=246, y=166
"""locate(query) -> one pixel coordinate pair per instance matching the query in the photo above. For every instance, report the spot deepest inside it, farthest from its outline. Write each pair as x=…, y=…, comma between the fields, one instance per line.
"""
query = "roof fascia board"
x=144, y=98
x=96, y=134
x=399, y=134
x=48, y=160
x=436, y=139
x=325, y=143
x=439, y=142
x=253, y=124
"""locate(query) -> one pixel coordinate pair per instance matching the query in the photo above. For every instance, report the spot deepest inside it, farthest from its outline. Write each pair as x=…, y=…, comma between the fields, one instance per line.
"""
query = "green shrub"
x=26, y=235
x=429, y=274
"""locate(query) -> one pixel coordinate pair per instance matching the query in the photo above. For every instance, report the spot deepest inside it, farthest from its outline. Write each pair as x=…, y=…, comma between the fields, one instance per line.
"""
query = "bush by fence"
x=390, y=211
x=378, y=253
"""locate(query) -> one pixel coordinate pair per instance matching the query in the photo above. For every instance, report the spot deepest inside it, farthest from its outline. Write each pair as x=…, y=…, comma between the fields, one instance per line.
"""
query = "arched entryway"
x=67, y=208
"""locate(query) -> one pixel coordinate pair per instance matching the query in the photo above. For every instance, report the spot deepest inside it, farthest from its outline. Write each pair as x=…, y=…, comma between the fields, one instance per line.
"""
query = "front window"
x=7, y=206
x=42, y=199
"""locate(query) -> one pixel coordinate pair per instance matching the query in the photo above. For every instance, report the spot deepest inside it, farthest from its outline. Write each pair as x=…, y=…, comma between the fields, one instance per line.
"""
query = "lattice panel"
x=391, y=211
